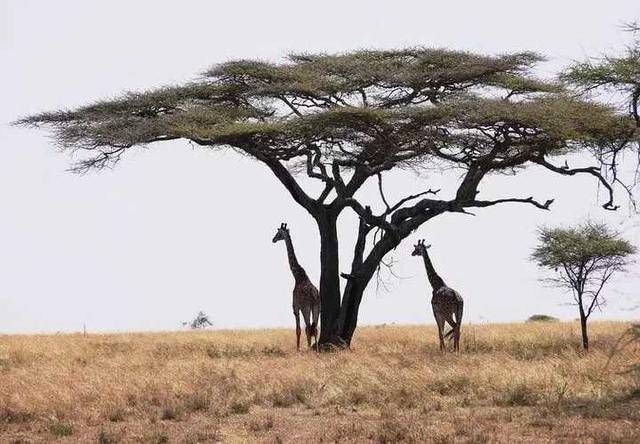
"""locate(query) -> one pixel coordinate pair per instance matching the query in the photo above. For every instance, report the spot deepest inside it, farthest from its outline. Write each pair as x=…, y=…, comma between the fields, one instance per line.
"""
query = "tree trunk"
x=353, y=290
x=350, y=307
x=329, y=279
x=360, y=277
x=583, y=326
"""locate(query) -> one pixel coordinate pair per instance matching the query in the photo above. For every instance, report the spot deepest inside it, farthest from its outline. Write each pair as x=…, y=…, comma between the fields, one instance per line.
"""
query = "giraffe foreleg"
x=298, y=330
x=440, y=324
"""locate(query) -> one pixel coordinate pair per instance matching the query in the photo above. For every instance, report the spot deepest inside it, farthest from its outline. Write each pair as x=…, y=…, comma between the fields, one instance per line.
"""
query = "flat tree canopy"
x=585, y=258
x=620, y=73
x=345, y=119
x=619, y=76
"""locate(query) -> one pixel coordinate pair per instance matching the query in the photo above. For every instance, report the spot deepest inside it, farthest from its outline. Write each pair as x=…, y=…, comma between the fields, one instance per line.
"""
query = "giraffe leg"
x=451, y=333
x=298, y=330
x=456, y=335
x=308, y=329
x=315, y=315
x=440, y=324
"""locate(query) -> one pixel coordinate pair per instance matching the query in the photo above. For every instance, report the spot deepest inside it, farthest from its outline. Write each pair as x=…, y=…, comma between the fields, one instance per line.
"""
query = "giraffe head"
x=420, y=248
x=281, y=234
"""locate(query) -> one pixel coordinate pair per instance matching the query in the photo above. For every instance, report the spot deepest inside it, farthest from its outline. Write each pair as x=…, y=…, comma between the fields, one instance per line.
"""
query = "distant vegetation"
x=542, y=318
x=200, y=321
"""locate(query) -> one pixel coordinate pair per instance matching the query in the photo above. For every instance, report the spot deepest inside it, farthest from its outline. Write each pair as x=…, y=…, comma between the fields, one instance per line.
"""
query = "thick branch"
x=367, y=215
x=384, y=199
x=594, y=171
x=290, y=184
x=528, y=200
x=417, y=209
x=411, y=197
x=287, y=179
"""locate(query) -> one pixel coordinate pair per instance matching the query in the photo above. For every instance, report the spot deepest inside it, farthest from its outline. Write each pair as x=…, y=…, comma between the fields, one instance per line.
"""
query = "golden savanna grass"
x=509, y=383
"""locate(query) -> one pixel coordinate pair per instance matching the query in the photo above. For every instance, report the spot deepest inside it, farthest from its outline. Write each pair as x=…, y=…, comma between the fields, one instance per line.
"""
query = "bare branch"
x=528, y=200
x=594, y=171
x=384, y=199
x=411, y=197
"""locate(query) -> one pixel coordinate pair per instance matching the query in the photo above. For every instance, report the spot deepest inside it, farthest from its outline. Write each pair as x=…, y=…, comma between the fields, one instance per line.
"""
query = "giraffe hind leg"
x=315, y=315
x=451, y=333
x=456, y=337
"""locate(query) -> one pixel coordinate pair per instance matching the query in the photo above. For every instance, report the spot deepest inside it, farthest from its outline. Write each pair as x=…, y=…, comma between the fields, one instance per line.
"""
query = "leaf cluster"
x=613, y=73
x=586, y=257
x=581, y=245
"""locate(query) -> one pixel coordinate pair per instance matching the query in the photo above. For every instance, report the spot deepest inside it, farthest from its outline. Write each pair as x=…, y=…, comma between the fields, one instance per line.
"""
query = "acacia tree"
x=584, y=259
x=618, y=75
x=343, y=120
x=200, y=321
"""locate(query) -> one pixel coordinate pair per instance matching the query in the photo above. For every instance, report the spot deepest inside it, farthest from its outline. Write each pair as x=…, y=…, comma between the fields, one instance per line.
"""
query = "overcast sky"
x=176, y=229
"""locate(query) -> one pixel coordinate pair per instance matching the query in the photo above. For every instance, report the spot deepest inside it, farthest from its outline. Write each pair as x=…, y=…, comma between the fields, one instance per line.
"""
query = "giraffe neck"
x=296, y=269
x=434, y=279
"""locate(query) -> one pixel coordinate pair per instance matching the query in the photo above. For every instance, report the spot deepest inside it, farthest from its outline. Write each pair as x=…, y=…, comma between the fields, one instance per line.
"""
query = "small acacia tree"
x=200, y=321
x=584, y=258
x=343, y=120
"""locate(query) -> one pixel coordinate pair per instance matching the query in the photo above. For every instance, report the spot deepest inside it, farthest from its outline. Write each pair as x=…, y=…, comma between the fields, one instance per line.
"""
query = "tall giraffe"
x=306, y=298
x=446, y=302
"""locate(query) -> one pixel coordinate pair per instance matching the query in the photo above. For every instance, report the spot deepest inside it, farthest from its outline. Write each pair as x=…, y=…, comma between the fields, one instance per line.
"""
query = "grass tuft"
x=60, y=429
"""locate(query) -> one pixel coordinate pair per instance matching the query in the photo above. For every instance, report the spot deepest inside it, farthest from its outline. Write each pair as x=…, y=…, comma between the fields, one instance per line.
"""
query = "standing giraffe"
x=306, y=298
x=445, y=301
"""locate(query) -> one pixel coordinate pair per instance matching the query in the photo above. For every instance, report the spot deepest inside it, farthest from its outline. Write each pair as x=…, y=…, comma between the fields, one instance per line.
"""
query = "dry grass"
x=513, y=382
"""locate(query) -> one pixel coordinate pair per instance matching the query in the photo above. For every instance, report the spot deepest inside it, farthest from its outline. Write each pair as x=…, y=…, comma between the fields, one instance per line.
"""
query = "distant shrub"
x=519, y=394
x=171, y=413
x=239, y=407
x=158, y=437
x=60, y=429
x=117, y=415
x=273, y=350
x=10, y=416
x=200, y=321
x=106, y=437
x=542, y=318
x=260, y=424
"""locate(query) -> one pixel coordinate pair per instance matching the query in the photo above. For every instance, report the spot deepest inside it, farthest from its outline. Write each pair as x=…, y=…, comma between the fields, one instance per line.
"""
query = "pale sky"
x=176, y=229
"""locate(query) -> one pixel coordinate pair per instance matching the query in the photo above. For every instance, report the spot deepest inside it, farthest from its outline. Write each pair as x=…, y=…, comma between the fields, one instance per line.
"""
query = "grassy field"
x=510, y=383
